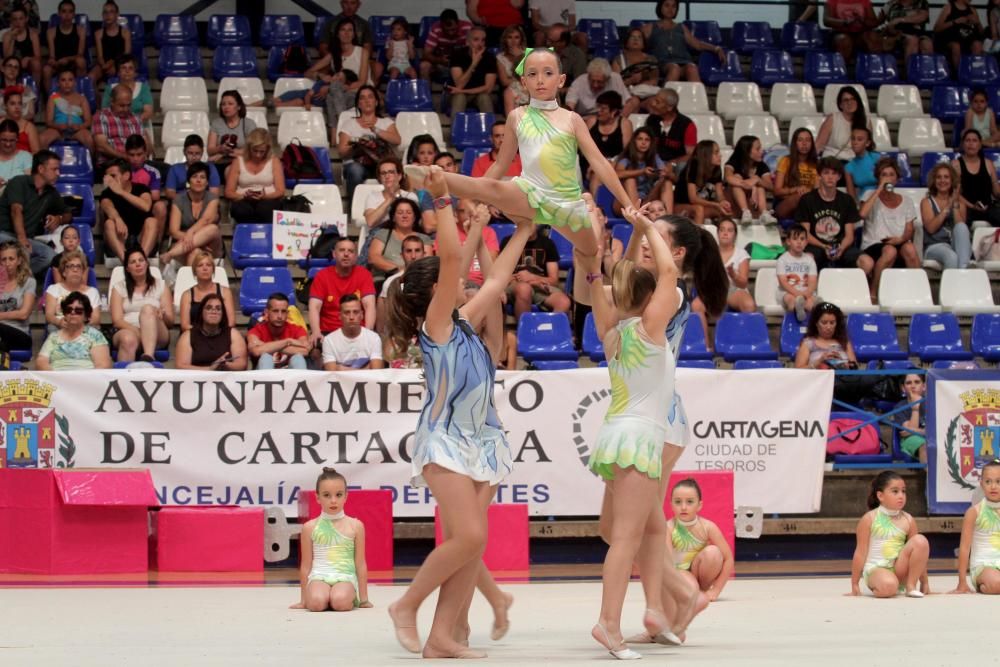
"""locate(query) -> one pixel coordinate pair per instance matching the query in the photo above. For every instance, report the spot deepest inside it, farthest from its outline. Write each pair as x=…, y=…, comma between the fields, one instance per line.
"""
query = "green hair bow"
x=519, y=70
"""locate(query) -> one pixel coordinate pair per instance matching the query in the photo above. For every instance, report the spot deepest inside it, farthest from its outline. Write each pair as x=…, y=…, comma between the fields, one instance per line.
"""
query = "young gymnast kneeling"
x=891, y=556
x=979, y=550
x=332, y=565
x=460, y=450
x=701, y=553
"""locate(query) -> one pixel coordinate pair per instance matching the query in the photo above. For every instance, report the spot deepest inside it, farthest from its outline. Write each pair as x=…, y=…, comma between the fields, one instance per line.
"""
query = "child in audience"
x=638, y=167
x=979, y=550
x=797, y=173
x=699, y=193
x=913, y=437
x=399, y=51
x=332, y=566
x=980, y=116
x=891, y=556
x=797, y=275
x=749, y=181
x=69, y=239
x=700, y=550
x=859, y=172
x=67, y=113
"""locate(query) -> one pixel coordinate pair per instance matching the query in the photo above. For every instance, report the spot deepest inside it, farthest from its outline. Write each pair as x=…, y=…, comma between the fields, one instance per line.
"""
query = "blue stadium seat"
x=426, y=23
x=84, y=86
x=873, y=336
x=469, y=156
x=792, y=332
x=29, y=82
x=471, y=129
x=890, y=364
x=771, y=66
x=159, y=356
x=978, y=70
x=120, y=365
x=252, y=246
x=592, y=345
x=949, y=102
x=234, y=60
x=993, y=96
x=260, y=281
x=750, y=35
x=639, y=23
x=319, y=28
x=281, y=30
x=175, y=29
x=927, y=71
x=323, y=155
x=714, y=72
x=601, y=33
x=986, y=336
x=936, y=336
x=824, y=67
x=88, y=214
x=951, y=364
x=565, y=248
x=750, y=364
x=80, y=20
x=693, y=345
x=503, y=230
x=381, y=27
x=408, y=95
x=906, y=179
x=228, y=29
x=706, y=364
x=180, y=60
x=545, y=336
x=135, y=25
x=800, y=37
x=930, y=159
x=874, y=69
x=706, y=31
x=275, y=64
x=76, y=166
x=609, y=53
x=555, y=364
x=623, y=233
x=743, y=336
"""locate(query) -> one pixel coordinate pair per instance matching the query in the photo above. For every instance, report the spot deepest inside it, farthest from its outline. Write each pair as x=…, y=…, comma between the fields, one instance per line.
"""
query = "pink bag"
x=863, y=440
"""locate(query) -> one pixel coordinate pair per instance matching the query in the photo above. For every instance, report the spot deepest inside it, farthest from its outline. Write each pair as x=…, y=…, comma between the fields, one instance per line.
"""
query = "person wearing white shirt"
x=352, y=346
x=887, y=237
x=583, y=92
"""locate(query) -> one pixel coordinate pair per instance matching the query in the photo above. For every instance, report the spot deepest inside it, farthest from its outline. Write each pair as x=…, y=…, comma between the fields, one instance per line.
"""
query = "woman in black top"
x=957, y=31
x=22, y=41
x=211, y=344
x=67, y=43
x=979, y=186
x=112, y=41
x=609, y=130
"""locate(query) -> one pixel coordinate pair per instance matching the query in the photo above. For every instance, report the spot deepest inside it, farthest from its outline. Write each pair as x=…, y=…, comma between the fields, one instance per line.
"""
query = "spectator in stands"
x=386, y=254
x=796, y=174
x=67, y=42
x=980, y=116
x=610, y=131
x=473, y=74
x=17, y=297
x=639, y=167
x=142, y=98
x=859, y=173
x=77, y=344
x=378, y=204
x=546, y=13
x=203, y=267
x=512, y=45
x=255, y=182
x=637, y=68
x=143, y=173
x=572, y=59
x=333, y=282
x=340, y=73
x=447, y=162
x=671, y=42
x=676, y=135
x=194, y=219
x=958, y=30
x=422, y=150
x=825, y=344
x=128, y=212
x=352, y=346
x=737, y=263
x=30, y=206
x=445, y=34
x=364, y=137
x=13, y=161
x=993, y=18
x=274, y=342
x=493, y=16
x=399, y=50
x=177, y=175
x=142, y=309
x=11, y=77
x=829, y=216
x=903, y=24
x=67, y=114
x=583, y=92
x=211, y=344
x=486, y=160
x=749, y=181
x=467, y=213
x=27, y=133
x=111, y=41
x=413, y=249
x=834, y=136
x=69, y=239
x=700, y=194
x=349, y=10
x=947, y=238
x=853, y=23
x=73, y=280
x=797, y=275
x=112, y=126
x=21, y=41
x=887, y=236
x=536, y=279
x=913, y=437
x=227, y=134
x=978, y=183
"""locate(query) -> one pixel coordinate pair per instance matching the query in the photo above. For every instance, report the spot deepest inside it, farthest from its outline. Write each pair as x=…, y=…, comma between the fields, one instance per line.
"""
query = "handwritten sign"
x=293, y=233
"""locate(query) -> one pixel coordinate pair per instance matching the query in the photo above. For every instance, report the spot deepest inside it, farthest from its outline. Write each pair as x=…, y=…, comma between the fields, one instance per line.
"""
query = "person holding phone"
x=211, y=344
x=887, y=237
x=977, y=179
x=825, y=344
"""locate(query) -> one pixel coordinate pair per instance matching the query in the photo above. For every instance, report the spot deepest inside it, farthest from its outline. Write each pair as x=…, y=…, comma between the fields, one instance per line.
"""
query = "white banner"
x=255, y=438
x=293, y=233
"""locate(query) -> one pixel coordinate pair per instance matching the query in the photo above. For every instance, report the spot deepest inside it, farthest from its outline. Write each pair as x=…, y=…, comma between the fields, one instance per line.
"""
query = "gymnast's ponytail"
x=702, y=260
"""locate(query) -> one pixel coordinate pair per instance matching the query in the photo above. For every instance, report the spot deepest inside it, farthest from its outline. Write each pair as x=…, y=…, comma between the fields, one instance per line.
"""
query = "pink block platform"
x=209, y=539
x=374, y=509
x=717, y=496
x=507, y=545
x=70, y=521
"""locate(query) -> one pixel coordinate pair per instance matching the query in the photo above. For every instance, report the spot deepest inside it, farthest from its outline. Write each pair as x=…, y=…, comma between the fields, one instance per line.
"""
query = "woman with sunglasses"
x=76, y=345
x=211, y=344
x=73, y=280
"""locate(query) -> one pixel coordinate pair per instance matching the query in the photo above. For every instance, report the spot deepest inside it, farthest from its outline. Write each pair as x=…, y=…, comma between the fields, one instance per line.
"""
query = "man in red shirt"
x=333, y=282
x=853, y=23
x=486, y=160
x=446, y=34
x=275, y=342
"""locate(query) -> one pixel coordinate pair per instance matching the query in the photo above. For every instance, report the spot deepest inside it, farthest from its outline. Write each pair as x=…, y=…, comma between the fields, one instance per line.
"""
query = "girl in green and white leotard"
x=891, y=556
x=332, y=565
x=700, y=550
x=979, y=551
